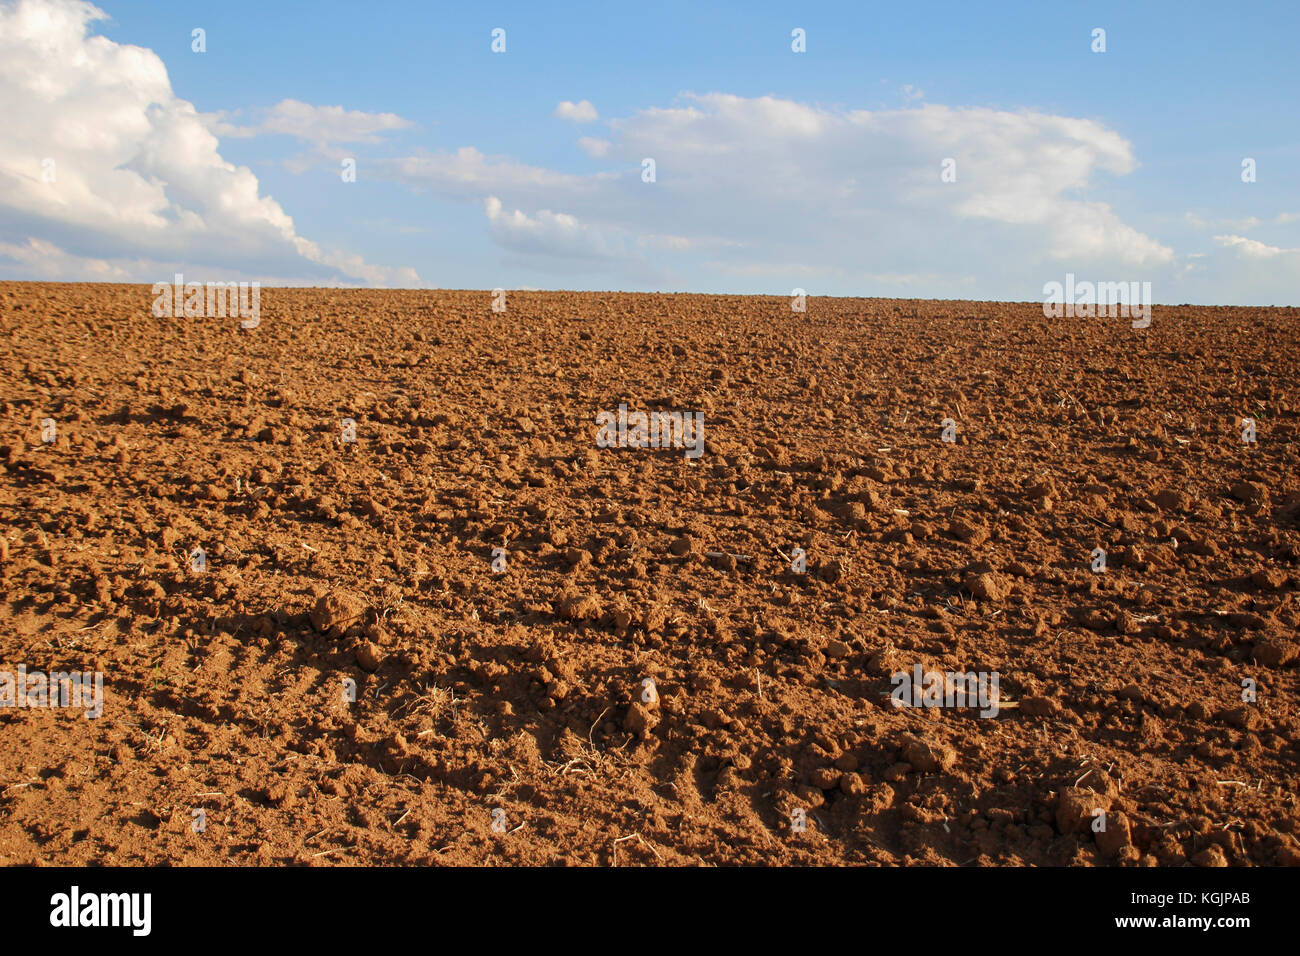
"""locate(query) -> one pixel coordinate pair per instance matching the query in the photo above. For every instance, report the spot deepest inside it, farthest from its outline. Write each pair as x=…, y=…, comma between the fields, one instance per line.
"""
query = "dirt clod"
x=336, y=612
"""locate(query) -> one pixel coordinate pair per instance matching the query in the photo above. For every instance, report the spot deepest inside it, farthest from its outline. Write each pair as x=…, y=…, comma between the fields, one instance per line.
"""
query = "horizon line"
x=527, y=290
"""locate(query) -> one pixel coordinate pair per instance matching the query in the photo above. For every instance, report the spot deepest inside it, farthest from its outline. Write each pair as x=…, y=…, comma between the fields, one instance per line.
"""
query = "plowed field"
x=494, y=588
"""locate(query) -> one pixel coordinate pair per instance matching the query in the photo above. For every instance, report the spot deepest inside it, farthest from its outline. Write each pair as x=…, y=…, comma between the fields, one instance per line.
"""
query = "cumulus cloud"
x=319, y=125
x=581, y=112
x=100, y=160
x=827, y=192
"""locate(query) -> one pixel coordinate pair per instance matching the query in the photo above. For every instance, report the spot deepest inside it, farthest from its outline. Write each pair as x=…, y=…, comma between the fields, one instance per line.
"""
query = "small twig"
x=727, y=554
x=592, y=729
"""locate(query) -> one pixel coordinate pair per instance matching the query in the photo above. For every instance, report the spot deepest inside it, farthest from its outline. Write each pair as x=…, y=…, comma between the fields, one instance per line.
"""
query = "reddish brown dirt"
x=476, y=690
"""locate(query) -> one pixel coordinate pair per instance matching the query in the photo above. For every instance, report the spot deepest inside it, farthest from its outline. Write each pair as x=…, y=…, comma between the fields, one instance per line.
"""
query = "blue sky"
x=774, y=169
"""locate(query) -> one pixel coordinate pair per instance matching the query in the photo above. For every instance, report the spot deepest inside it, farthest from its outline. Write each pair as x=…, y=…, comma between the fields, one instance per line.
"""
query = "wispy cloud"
x=319, y=125
x=1252, y=248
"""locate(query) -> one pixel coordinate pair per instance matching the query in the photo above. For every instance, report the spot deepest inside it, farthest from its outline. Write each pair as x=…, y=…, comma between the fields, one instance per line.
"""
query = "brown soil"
x=525, y=691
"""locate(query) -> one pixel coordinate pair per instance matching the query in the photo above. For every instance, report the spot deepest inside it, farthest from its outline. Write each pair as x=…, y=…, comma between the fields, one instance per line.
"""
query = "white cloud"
x=40, y=259
x=137, y=176
x=470, y=174
x=594, y=147
x=1241, y=225
x=677, y=243
x=549, y=234
x=580, y=112
x=1085, y=230
x=1242, y=271
x=830, y=190
x=320, y=125
x=1252, y=248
